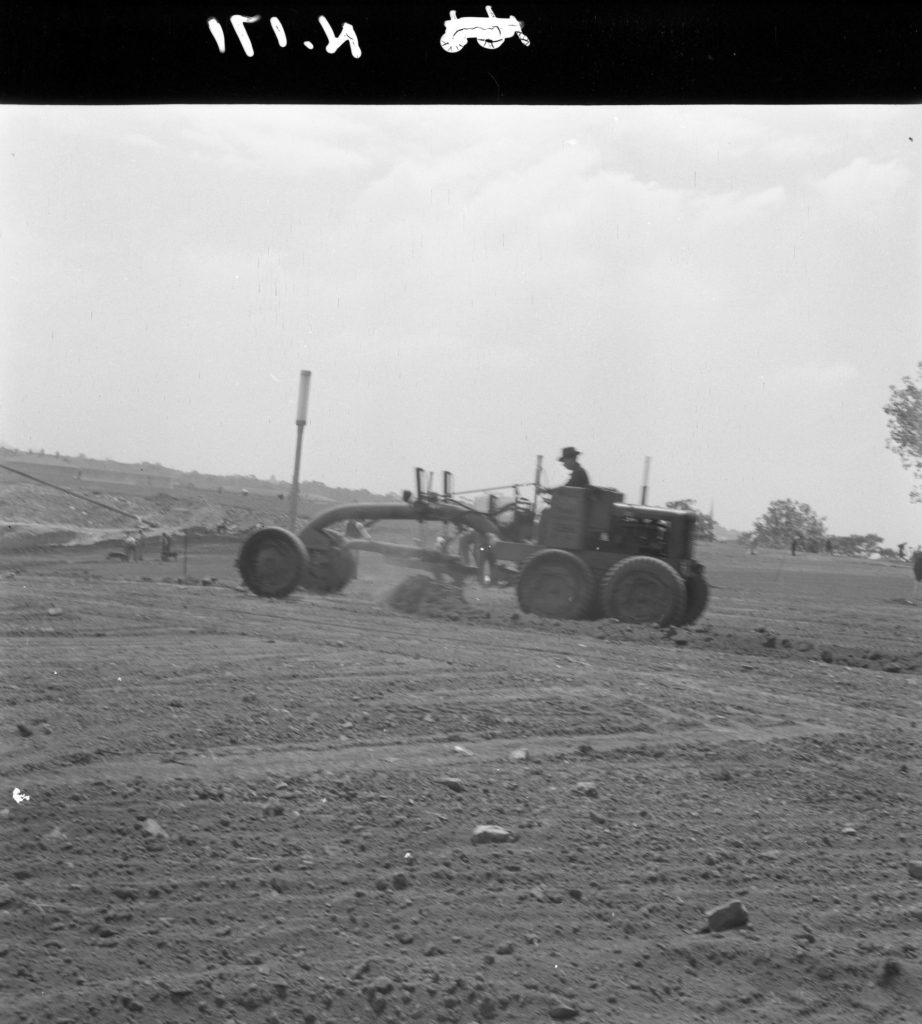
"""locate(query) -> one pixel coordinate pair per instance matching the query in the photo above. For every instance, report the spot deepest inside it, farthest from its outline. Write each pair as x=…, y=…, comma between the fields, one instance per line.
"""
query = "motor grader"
x=587, y=555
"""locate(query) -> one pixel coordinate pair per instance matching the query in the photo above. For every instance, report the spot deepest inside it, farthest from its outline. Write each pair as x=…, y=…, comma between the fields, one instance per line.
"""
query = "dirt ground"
x=229, y=809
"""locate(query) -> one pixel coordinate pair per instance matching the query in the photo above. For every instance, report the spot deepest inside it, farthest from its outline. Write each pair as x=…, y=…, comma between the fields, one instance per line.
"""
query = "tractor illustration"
x=489, y=32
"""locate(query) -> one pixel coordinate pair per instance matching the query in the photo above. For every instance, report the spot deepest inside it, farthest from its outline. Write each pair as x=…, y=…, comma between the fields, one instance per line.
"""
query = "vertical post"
x=646, y=480
x=300, y=421
x=538, y=464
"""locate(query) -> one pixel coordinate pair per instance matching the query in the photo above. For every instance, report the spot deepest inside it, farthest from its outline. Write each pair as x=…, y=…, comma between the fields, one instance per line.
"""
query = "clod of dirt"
x=153, y=828
x=425, y=595
x=490, y=834
x=54, y=836
x=562, y=1011
x=730, y=915
x=915, y=869
x=23, y=730
x=273, y=807
x=455, y=785
x=890, y=970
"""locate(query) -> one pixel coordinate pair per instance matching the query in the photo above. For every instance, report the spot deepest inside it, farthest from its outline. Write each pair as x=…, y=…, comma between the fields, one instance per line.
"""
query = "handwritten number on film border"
x=239, y=24
x=489, y=32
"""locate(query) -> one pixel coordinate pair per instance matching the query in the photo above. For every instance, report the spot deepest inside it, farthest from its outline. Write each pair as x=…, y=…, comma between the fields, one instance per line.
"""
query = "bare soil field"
x=230, y=809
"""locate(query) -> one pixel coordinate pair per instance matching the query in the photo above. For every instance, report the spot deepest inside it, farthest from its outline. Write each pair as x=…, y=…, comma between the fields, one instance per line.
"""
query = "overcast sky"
x=728, y=290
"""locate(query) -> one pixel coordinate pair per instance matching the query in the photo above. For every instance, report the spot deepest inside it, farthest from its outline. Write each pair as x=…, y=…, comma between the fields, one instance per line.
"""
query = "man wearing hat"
x=578, y=476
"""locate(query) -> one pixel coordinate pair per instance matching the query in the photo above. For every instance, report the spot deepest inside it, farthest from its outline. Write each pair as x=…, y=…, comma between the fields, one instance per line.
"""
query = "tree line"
x=787, y=522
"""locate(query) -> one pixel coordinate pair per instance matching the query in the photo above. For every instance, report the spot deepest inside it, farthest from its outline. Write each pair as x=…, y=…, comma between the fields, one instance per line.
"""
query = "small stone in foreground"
x=915, y=869
x=491, y=834
x=730, y=915
x=562, y=1011
x=153, y=828
x=455, y=785
x=520, y=754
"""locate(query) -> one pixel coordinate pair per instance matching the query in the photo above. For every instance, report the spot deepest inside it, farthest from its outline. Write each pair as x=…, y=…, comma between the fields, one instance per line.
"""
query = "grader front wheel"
x=271, y=562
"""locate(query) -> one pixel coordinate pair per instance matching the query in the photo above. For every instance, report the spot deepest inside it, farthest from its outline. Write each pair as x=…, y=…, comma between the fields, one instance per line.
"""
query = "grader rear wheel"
x=644, y=590
x=271, y=562
x=556, y=585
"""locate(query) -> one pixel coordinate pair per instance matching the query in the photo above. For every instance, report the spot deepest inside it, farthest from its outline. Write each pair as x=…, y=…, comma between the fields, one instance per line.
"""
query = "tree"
x=857, y=544
x=904, y=412
x=785, y=519
x=704, y=528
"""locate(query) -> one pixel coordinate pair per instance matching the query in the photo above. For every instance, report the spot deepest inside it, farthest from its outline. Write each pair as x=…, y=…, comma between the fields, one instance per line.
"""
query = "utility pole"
x=538, y=465
x=301, y=420
x=646, y=480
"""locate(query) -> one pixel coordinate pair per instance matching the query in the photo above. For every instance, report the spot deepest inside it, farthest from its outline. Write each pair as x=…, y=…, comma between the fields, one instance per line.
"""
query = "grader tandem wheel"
x=274, y=562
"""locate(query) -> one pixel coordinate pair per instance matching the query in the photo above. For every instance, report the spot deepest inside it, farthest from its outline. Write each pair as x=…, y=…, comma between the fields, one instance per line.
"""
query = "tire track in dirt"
x=402, y=753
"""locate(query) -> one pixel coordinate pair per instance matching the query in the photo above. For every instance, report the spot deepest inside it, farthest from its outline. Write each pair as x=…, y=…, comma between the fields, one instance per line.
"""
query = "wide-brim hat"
x=569, y=453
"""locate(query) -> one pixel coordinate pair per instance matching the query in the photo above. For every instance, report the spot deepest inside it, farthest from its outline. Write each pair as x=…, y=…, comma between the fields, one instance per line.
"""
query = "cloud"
x=733, y=209
x=812, y=375
x=863, y=190
x=140, y=140
x=279, y=140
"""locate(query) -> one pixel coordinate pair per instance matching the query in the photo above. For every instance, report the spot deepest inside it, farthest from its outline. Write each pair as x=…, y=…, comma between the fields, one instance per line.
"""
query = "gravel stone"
x=490, y=834
x=729, y=915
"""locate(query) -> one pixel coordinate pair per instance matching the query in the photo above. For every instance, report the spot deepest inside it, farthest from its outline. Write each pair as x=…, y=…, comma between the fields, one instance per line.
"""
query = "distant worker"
x=131, y=547
x=166, y=547
x=916, y=564
x=901, y=550
x=467, y=538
